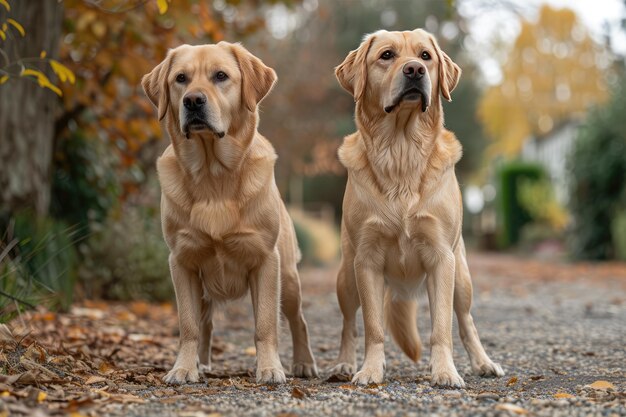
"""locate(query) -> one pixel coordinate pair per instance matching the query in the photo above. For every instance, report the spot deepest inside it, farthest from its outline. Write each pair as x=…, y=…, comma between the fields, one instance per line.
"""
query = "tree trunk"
x=28, y=111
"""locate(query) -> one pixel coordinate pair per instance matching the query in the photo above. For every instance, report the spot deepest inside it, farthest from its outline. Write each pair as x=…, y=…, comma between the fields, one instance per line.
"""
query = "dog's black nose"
x=413, y=70
x=194, y=101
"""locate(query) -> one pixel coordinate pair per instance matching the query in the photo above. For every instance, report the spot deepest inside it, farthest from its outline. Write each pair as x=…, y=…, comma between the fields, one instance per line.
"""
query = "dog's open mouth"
x=197, y=125
x=411, y=94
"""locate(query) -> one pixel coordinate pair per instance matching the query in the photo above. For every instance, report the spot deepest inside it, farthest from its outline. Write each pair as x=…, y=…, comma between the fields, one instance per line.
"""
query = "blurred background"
x=540, y=112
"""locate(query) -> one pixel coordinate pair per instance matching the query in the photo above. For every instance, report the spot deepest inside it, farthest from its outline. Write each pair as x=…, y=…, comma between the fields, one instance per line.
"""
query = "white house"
x=551, y=151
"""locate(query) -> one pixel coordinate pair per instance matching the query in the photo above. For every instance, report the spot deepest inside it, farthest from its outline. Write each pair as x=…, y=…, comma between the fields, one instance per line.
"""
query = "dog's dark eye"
x=387, y=55
x=221, y=76
x=181, y=78
x=425, y=56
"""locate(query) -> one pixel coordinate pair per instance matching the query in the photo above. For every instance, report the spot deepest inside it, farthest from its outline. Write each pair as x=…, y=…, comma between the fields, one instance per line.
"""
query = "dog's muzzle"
x=194, y=116
x=416, y=86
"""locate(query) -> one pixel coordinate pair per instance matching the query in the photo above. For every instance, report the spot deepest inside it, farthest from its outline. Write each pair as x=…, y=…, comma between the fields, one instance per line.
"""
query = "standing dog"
x=223, y=220
x=403, y=209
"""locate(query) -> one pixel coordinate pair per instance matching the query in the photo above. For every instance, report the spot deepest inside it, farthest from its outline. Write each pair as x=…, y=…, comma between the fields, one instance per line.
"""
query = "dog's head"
x=206, y=89
x=396, y=70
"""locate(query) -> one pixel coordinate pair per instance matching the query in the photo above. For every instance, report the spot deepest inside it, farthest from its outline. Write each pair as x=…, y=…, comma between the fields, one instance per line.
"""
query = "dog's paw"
x=304, y=370
x=204, y=369
x=449, y=378
x=368, y=376
x=270, y=376
x=488, y=369
x=343, y=368
x=180, y=375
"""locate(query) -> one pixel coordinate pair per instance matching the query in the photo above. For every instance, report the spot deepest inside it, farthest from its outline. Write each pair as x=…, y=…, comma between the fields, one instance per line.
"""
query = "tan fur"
x=402, y=213
x=223, y=219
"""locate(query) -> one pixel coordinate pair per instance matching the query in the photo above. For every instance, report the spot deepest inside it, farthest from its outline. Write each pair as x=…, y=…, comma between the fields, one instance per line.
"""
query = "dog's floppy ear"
x=155, y=85
x=449, y=72
x=257, y=79
x=352, y=72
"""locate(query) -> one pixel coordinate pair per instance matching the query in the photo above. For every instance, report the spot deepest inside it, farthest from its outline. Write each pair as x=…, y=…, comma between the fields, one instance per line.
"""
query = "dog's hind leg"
x=481, y=364
x=303, y=360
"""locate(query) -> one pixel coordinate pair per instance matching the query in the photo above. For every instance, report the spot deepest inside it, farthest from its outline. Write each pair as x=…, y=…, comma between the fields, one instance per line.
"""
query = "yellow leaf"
x=6, y=5
x=162, y=4
x=4, y=79
x=34, y=73
x=250, y=351
x=602, y=385
x=41, y=79
x=17, y=26
x=43, y=54
x=2, y=35
x=563, y=395
x=41, y=396
x=62, y=71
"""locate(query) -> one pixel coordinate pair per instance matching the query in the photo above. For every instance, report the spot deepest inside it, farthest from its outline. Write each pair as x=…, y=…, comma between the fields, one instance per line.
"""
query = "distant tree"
x=554, y=72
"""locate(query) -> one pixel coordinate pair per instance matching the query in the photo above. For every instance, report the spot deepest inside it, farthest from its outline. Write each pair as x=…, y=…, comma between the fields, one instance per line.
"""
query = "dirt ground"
x=558, y=330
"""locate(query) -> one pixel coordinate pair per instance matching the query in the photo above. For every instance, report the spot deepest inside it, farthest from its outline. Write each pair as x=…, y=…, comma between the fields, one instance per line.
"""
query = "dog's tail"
x=401, y=320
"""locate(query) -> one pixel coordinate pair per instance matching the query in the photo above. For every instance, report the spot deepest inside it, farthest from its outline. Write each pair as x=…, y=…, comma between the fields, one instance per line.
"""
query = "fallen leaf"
x=94, y=379
x=90, y=313
x=299, y=393
x=250, y=351
x=512, y=408
x=563, y=395
x=602, y=385
x=338, y=378
x=511, y=381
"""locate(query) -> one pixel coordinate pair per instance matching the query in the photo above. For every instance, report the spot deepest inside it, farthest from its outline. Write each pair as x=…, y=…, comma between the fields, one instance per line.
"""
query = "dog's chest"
x=401, y=237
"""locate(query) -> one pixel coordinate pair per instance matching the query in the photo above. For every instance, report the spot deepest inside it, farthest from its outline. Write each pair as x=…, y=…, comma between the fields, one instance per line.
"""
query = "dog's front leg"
x=440, y=284
x=188, y=300
x=265, y=293
x=368, y=268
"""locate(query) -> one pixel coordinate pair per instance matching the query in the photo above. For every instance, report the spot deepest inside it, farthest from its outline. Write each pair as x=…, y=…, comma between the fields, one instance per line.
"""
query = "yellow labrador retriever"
x=402, y=209
x=223, y=219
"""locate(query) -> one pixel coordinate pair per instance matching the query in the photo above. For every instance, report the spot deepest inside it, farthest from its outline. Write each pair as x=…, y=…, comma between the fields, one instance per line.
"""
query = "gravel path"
x=555, y=330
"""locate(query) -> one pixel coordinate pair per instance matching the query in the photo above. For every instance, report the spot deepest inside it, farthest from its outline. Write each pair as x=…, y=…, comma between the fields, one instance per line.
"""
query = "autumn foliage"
x=554, y=72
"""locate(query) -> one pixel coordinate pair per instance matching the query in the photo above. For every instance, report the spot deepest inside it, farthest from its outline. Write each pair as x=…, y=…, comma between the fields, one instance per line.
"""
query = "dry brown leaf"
x=512, y=408
x=338, y=378
x=250, y=351
x=563, y=395
x=299, y=393
x=602, y=385
x=90, y=313
x=511, y=381
x=94, y=379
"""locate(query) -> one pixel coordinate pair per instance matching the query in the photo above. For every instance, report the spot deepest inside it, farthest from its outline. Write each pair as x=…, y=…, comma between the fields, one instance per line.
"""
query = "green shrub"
x=598, y=178
x=85, y=183
x=126, y=258
x=512, y=216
